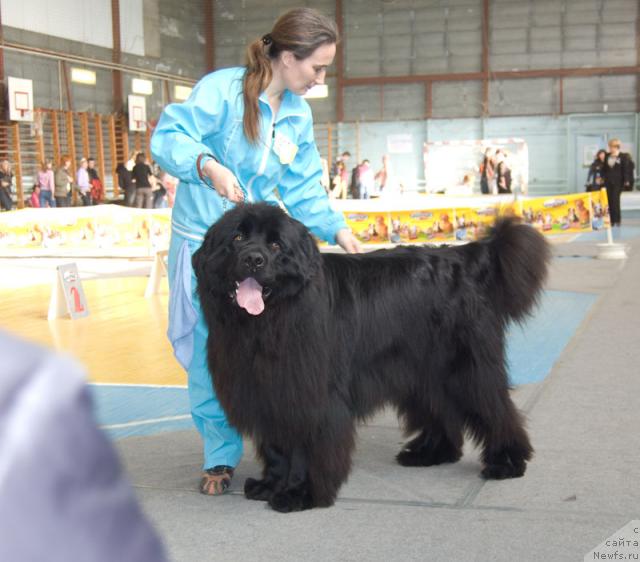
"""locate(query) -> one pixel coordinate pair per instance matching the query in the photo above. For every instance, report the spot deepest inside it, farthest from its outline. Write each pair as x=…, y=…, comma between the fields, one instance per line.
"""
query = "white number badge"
x=284, y=148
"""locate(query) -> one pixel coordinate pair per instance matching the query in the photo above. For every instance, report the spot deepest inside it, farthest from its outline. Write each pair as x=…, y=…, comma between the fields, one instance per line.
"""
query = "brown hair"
x=301, y=31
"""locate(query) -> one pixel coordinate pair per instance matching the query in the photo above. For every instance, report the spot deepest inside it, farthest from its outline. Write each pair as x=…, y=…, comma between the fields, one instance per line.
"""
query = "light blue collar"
x=292, y=105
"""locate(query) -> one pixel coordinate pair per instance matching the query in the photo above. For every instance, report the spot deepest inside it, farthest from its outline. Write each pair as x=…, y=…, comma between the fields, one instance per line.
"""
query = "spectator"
x=384, y=176
x=169, y=184
x=34, y=200
x=47, y=184
x=158, y=190
x=324, y=180
x=63, y=181
x=132, y=161
x=618, y=175
x=142, y=176
x=464, y=188
x=344, y=158
x=6, y=181
x=126, y=183
x=97, y=189
x=503, y=173
x=82, y=181
x=366, y=179
x=487, y=172
x=353, y=191
x=339, y=184
x=595, y=180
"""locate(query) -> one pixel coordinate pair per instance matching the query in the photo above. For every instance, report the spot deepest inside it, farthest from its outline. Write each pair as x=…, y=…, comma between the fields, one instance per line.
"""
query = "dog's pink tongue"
x=249, y=296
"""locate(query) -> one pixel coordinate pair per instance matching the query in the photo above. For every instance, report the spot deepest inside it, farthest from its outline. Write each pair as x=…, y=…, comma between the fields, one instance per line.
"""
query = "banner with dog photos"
x=116, y=231
x=561, y=214
x=101, y=230
x=369, y=227
x=422, y=226
x=600, y=210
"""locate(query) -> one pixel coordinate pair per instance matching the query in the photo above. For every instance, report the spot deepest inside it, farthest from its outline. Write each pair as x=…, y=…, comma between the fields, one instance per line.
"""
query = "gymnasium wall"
x=556, y=145
x=383, y=40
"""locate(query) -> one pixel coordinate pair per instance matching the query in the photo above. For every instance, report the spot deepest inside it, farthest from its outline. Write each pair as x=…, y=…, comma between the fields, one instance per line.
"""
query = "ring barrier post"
x=610, y=250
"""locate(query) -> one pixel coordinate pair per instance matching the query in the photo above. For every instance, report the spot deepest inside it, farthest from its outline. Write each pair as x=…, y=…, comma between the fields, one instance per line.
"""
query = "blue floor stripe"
x=532, y=349
x=126, y=404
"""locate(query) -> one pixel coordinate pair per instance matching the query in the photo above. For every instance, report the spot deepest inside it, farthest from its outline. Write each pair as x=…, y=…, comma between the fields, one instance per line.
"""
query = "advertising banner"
x=559, y=214
x=411, y=227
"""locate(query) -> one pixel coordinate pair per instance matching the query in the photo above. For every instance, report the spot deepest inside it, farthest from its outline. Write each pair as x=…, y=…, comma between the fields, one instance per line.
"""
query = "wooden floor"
x=122, y=341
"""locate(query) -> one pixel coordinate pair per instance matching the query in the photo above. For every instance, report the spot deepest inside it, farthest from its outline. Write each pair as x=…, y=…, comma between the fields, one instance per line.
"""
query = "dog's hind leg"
x=506, y=443
x=439, y=439
x=493, y=420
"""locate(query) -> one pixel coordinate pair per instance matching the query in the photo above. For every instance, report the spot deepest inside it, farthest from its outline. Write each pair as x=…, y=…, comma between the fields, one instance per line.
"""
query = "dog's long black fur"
x=420, y=328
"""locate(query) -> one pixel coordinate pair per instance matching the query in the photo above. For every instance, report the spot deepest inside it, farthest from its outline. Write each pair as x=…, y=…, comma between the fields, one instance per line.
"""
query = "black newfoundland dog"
x=303, y=345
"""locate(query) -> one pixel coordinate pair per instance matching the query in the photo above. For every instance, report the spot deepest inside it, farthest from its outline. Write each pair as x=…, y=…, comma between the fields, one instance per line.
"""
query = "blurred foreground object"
x=63, y=495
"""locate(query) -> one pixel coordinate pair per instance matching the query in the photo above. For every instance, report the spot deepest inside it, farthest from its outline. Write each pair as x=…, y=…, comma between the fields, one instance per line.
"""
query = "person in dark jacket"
x=97, y=189
x=63, y=495
x=618, y=175
x=503, y=172
x=595, y=179
x=126, y=183
x=142, y=175
x=6, y=179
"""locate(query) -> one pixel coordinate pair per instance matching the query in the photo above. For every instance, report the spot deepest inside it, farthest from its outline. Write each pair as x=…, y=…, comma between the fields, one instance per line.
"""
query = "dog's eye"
x=274, y=246
x=238, y=238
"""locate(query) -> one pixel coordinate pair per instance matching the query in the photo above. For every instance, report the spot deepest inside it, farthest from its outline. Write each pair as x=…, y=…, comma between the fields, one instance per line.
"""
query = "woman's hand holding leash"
x=223, y=181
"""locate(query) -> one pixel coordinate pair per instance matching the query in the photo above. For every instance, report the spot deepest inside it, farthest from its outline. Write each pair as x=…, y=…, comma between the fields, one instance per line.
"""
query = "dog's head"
x=255, y=256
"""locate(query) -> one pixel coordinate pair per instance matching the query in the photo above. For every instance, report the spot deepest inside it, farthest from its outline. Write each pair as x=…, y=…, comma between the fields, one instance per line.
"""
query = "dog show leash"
x=207, y=181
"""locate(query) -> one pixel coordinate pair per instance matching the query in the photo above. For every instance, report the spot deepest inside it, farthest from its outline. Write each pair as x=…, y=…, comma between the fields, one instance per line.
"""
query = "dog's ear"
x=209, y=260
x=307, y=255
x=203, y=262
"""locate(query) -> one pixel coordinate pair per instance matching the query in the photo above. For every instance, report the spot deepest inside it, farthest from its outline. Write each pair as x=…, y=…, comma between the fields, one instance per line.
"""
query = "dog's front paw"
x=428, y=456
x=257, y=490
x=508, y=463
x=504, y=471
x=291, y=500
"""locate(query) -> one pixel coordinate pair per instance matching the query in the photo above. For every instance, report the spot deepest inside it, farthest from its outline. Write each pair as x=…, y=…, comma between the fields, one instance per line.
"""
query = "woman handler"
x=244, y=134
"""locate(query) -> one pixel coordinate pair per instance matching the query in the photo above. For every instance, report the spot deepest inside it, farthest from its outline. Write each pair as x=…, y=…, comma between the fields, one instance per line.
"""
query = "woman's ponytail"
x=256, y=79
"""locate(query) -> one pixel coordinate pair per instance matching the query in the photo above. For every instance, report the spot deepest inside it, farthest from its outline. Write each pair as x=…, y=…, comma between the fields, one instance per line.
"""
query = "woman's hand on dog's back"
x=348, y=242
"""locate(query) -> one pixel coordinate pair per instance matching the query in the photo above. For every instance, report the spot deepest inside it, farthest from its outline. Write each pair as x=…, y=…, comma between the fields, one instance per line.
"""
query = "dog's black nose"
x=254, y=260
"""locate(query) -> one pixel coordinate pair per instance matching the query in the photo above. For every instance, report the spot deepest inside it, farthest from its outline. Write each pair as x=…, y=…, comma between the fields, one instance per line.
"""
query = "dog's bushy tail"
x=520, y=257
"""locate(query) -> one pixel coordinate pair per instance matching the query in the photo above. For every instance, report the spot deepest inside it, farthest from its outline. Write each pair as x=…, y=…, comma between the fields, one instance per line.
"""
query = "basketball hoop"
x=138, y=118
x=21, y=100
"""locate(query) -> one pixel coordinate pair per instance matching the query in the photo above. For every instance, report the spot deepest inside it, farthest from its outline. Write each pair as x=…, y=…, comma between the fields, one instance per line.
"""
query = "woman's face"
x=301, y=75
x=601, y=156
